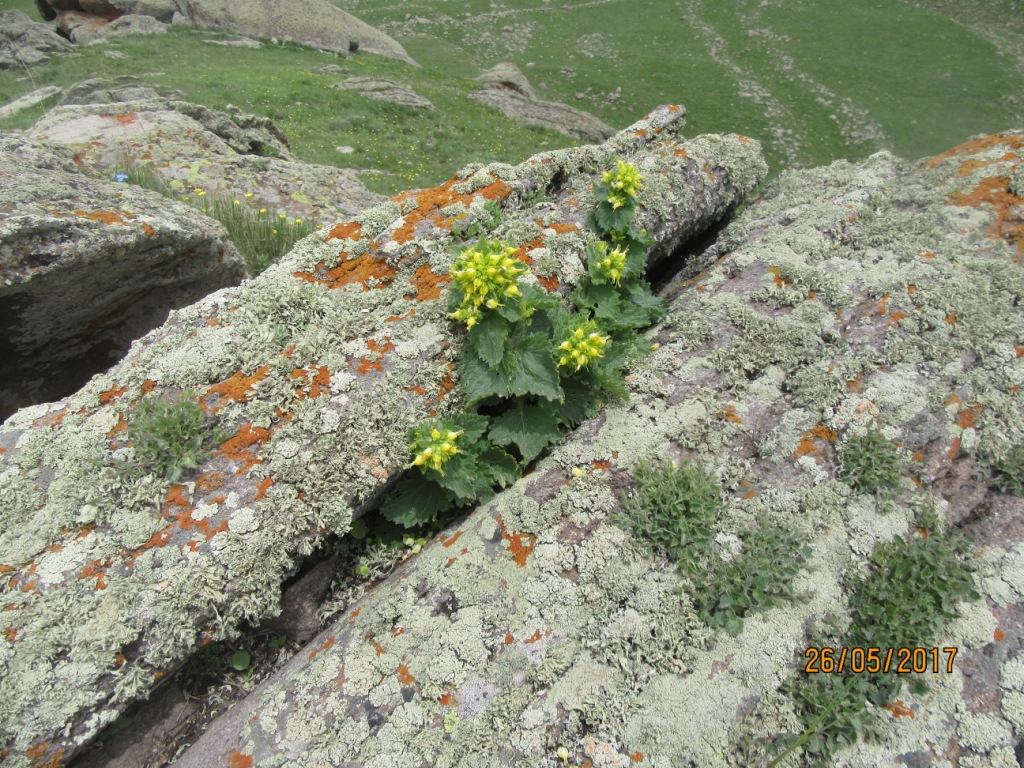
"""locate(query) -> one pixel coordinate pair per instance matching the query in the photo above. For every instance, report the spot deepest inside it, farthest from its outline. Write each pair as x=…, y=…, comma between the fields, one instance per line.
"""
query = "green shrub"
x=871, y=463
x=1008, y=475
x=168, y=436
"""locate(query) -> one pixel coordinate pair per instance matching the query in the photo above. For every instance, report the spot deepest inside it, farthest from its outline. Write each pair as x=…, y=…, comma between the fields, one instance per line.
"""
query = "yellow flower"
x=582, y=346
x=200, y=192
x=485, y=274
x=282, y=215
x=431, y=447
x=237, y=202
x=248, y=194
x=298, y=221
x=263, y=210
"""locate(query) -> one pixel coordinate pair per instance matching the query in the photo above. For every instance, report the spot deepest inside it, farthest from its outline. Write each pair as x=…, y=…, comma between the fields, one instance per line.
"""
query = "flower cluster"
x=485, y=274
x=432, y=447
x=611, y=265
x=623, y=184
x=583, y=345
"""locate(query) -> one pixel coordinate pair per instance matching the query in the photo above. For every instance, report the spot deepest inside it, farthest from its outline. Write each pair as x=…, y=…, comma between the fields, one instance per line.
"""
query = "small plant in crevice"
x=911, y=589
x=170, y=436
x=1008, y=473
x=487, y=221
x=676, y=508
x=871, y=464
x=532, y=366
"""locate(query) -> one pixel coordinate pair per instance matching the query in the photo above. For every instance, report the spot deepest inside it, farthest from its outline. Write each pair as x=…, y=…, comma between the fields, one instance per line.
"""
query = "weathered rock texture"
x=853, y=297
x=28, y=100
x=382, y=89
x=87, y=266
x=507, y=89
x=24, y=42
x=190, y=146
x=317, y=23
x=315, y=371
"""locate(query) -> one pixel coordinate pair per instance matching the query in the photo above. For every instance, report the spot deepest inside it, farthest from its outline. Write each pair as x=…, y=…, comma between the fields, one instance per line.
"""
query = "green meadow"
x=814, y=80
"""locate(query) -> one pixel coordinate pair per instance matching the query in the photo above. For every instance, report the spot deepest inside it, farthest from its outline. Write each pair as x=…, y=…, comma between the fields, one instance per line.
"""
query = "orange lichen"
x=323, y=647
x=968, y=418
x=534, y=637
x=263, y=487
x=807, y=446
x=899, y=709
x=977, y=146
x=911, y=289
x=549, y=283
x=347, y=230
x=320, y=385
x=954, y=448
x=238, y=760
x=365, y=366
x=377, y=647
x=428, y=285
x=188, y=523
x=447, y=700
x=403, y=675
x=51, y=419
x=895, y=317
x=779, y=279
x=882, y=308
x=362, y=269
x=419, y=389
x=999, y=635
x=240, y=447
x=104, y=217
x=681, y=152
x=429, y=203
x=236, y=387
x=112, y=394
x=728, y=413
x=519, y=544
x=210, y=481
x=637, y=757
x=126, y=118
x=448, y=542
x=122, y=423
x=601, y=465
x=150, y=232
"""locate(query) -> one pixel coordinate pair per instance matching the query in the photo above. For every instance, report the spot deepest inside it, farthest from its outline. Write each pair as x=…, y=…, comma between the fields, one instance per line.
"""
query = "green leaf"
x=529, y=367
x=581, y=401
x=531, y=427
x=478, y=381
x=503, y=468
x=240, y=660
x=487, y=338
x=416, y=500
x=464, y=477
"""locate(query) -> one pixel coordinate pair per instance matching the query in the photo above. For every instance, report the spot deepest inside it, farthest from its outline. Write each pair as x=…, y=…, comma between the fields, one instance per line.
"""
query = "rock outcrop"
x=86, y=267
x=190, y=146
x=506, y=88
x=382, y=89
x=875, y=297
x=24, y=42
x=307, y=379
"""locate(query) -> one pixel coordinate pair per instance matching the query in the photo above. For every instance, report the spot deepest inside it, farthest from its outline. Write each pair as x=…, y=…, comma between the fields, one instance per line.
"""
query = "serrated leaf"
x=581, y=402
x=473, y=427
x=528, y=367
x=415, y=500
x=464, y=478
x=531, y=427
x=503, y=468
x=487, y=338
x=478, y=381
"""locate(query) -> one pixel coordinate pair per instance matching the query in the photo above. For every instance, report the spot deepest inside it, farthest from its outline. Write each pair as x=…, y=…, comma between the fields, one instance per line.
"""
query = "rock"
x=876, y=295
x=190, y=146
x=111, y=90
x=244, y=42
x=382, y=89
x=308, y=378
x=88, y=268
x=79, y=27
x=28, y=100
x=316, y=23
x=24, y=42
x=507, y=89
x=131, y=24
x=161, y=10
x=112, y=54
x=507, y=76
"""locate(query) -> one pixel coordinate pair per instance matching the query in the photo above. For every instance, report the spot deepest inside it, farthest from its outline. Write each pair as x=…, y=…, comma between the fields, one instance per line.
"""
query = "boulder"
x=88, y=267
x=28, y=100
x=316, y=23
x=110, y=90
x=80, y=27
x=189, y=146
x=24, y=42
x=382, y=89
x=507, y=89
x=870, y=298
x=305, y=381
x=162, y=10
x=131, y=24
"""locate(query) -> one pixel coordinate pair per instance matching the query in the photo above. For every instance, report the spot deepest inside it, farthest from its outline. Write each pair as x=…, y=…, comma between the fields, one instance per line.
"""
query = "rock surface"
x=507, y=89
x=382, y=89
x=190, y=146
x=88, y=268
x=28, y=100
x=309, y=377
x=131, y=24
x=849, y=298
x=24, y=42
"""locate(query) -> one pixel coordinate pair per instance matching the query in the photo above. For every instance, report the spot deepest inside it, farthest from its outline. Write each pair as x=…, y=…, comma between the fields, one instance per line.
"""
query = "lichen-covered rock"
x=191, y=146
x=506, y=88
x=308, y=378
x=24, y=42
x=851, y=298
x=86, y=266
x=28, y=100
x=110, y=90
x=130, y=24
x=316, y=23
x=382, y=89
